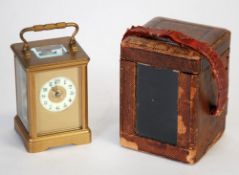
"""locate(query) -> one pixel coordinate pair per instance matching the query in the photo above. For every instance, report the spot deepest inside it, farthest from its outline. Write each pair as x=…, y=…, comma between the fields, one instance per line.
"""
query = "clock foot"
x=42, y=143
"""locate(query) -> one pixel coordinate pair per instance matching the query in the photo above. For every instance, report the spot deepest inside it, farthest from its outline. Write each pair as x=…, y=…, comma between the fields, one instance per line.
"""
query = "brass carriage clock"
x=51, y=90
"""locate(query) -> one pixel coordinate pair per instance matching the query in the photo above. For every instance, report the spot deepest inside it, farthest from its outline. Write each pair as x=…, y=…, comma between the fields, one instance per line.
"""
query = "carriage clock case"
x=51, y=90
x=173, y=88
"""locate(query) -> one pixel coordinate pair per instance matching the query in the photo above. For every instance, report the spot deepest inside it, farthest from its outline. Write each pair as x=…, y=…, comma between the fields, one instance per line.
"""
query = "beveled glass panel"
x=21, y=90
x=44, y=52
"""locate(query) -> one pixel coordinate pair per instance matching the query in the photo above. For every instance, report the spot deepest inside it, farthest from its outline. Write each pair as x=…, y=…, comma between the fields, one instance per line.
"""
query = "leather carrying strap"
x=203, y=48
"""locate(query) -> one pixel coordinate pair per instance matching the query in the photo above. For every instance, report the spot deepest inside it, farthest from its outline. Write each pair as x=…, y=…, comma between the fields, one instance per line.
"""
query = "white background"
x=102, y=25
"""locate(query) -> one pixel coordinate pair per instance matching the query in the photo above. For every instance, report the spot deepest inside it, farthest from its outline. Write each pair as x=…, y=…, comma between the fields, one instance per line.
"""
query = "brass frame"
x=36, y=143
x=76, y=57
x=42, y=143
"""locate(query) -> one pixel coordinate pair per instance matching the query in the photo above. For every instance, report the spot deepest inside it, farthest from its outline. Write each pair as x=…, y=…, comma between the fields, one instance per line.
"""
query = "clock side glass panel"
x=58, y=100
x=21, y=92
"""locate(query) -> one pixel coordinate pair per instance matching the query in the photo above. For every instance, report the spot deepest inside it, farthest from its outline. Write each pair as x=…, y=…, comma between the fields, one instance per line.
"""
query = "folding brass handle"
x=38, y=28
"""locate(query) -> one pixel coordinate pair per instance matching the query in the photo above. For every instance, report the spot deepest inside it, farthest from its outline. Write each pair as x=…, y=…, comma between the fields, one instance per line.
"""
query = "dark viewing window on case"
x=156, y=103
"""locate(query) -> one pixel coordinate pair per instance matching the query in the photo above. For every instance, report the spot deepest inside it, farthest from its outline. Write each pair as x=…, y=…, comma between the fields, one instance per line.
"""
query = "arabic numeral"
x=45, y=103
x=57, y=108
x=43, y=96
x=44, y=89
x=51, y=84
x=57, y=81
x=72, y=93
x=70, y=86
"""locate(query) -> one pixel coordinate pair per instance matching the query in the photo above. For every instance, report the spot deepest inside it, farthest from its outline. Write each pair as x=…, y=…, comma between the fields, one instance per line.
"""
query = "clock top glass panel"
x=49, y=51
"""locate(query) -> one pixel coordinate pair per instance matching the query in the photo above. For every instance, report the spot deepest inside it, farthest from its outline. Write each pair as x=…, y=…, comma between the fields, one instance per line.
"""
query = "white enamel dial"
x=57, y=94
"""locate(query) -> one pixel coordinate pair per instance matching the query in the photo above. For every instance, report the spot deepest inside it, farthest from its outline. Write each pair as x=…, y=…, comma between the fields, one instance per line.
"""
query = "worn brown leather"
x=215, y=62
x=198, y=128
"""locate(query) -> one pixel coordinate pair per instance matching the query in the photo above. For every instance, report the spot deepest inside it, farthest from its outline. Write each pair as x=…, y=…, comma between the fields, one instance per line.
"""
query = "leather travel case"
x=173, y=88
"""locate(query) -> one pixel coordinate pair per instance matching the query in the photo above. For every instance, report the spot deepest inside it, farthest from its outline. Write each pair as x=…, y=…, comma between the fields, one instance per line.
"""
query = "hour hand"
x=54, y=88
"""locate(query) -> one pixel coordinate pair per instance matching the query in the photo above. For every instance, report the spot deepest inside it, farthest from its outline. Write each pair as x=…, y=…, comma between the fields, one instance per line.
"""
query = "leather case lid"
x=215, y=37
x=192, y=36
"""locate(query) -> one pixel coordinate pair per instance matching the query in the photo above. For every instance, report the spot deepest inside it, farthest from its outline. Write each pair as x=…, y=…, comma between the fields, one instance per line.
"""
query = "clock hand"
x=56, y=91
x=54, y=88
